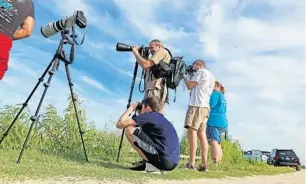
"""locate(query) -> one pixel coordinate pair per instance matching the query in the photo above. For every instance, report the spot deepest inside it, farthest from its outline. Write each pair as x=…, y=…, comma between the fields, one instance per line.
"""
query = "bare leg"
x=192, y=142
x=221, y=154
x=129, y=135
x=204, y=145
x=216, y=150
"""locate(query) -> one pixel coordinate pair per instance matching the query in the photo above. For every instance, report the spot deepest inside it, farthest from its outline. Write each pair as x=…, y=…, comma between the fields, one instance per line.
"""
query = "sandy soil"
x=292, y=178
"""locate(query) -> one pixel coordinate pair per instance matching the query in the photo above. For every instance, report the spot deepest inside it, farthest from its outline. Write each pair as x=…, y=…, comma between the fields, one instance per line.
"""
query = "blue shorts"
x=214, y=133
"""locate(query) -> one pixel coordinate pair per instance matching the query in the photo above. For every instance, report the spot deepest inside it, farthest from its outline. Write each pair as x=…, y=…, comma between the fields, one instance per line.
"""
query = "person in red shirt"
x=16, y=22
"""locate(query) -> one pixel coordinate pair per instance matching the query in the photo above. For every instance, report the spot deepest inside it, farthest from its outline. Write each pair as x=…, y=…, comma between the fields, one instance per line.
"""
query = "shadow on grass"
x=110, y=165
x=79, y=157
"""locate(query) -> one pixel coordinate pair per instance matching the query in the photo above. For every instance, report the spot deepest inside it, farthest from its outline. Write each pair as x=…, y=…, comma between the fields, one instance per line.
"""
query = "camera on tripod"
x=52, y=28
x=47, y=31
x=122, y=47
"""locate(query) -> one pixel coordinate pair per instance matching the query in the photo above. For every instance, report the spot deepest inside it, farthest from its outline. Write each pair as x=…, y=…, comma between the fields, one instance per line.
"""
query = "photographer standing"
x=201, y=85
x=16, y=22
x=153, y=86
x=155, y=139
x=217, y=123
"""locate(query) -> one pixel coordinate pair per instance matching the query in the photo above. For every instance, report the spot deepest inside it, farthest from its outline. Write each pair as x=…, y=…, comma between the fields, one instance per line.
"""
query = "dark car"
x=284, y=157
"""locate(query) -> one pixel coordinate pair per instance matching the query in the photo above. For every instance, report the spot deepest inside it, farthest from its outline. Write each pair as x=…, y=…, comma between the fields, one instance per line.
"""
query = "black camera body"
x=80, y=19
x=139, y=106
x=143, y=51
x=189, y=69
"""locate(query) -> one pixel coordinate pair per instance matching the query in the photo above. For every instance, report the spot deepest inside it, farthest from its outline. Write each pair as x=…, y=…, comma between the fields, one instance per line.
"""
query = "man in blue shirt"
x=155, y=139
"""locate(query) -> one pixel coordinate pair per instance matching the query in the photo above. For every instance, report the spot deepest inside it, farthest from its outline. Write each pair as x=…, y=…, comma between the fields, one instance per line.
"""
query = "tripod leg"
x=28, y=99
x=34, y=118
x=129, y=102
x=120, y=145
x=75, y=109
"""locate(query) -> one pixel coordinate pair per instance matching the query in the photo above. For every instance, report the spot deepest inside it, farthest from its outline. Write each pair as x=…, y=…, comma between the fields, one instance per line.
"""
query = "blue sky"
x=255, y=48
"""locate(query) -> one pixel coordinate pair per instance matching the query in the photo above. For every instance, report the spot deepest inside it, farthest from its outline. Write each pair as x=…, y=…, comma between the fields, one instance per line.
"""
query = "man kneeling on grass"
x=152, y=136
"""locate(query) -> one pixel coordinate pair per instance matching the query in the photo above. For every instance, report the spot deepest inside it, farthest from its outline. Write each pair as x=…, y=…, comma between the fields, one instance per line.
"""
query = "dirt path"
x=292, y=178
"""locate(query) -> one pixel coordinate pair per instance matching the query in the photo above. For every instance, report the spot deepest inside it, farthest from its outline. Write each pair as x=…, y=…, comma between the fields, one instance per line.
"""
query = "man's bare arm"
x=190, y=84
x=143, y=62
x=26, y=29
x=124, y=122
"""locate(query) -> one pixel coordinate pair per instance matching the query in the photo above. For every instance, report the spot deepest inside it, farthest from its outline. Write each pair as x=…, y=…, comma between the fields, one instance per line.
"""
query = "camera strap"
x=142, y=78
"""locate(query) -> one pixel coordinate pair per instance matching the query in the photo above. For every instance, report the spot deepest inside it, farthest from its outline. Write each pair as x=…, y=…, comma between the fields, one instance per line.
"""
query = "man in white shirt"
x=201, y=85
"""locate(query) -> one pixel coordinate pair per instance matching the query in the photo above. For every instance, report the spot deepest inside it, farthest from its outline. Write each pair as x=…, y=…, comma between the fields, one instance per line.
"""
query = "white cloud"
x=144, y=20
x=267, y=35
x=94, y=83
x=210, y=18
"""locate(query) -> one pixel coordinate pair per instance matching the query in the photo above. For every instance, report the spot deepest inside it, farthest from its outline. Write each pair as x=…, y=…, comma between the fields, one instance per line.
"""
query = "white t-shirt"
x=200, y=94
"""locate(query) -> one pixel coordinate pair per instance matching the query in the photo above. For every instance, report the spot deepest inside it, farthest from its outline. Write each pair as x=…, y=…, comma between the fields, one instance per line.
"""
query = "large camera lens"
x=122, y=47
x=52, y=28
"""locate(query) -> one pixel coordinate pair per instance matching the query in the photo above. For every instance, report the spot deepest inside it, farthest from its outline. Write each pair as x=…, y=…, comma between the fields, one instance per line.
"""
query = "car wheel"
x=298, y=168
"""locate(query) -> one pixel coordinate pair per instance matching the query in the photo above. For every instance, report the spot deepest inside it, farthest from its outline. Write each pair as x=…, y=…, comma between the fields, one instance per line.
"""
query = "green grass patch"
x=55, y=151
x=36, y=165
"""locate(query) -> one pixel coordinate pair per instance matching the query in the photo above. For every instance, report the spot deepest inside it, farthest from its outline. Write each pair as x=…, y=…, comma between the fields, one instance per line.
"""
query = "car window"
x=256, y=152
x=286, y=153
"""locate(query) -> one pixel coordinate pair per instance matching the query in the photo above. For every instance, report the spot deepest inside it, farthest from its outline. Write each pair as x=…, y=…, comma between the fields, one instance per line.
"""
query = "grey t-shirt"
x=12, y=15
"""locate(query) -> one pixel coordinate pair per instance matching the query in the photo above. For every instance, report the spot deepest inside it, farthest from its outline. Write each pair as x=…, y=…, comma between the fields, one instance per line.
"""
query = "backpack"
x=172, y=72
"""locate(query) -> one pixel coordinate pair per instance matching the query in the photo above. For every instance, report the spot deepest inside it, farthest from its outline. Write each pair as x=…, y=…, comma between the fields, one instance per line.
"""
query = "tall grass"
x=232, y=154
x=59, y=135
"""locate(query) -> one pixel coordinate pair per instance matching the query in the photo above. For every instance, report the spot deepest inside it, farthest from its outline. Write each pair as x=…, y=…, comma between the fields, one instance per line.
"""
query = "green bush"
x=57, y=135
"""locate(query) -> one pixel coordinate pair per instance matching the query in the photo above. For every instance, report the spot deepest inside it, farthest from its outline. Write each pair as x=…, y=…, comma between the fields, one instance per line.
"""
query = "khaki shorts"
x=196, y=118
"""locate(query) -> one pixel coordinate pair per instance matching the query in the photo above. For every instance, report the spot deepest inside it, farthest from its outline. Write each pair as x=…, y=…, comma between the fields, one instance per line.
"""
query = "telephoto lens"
x=52, y=28
x=122, y=47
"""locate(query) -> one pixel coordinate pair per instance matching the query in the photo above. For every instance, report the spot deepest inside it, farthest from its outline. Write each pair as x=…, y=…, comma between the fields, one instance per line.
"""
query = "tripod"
x=144, y=53
x=54, y=64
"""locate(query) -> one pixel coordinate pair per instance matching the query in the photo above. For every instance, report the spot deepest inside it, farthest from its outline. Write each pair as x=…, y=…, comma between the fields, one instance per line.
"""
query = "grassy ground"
x=35, y=165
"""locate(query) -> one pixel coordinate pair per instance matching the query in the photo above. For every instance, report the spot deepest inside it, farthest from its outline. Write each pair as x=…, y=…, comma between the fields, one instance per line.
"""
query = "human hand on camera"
x=135, y=48
x=133, y=106
x=184, y=76
x=191, y=74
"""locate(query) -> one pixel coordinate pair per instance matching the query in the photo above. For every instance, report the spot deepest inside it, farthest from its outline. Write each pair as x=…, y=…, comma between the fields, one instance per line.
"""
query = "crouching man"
x=152, y=136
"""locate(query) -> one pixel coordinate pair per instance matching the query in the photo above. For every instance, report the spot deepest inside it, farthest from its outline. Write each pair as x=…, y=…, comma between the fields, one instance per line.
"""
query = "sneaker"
x=140, y=166
x=189, y=166
x=139, y=162
x=152, y=169
x=203, y=168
